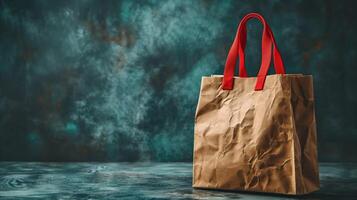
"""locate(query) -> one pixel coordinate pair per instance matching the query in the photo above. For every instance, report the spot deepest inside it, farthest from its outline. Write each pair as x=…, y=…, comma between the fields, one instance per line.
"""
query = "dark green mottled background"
x=118, y=80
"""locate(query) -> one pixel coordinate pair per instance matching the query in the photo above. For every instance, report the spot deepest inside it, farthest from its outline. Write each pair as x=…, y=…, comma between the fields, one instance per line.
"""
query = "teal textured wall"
x=119, y=80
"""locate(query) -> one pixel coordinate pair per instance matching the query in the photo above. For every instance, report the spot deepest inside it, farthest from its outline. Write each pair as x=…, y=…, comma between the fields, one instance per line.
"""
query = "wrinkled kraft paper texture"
x=260, y=141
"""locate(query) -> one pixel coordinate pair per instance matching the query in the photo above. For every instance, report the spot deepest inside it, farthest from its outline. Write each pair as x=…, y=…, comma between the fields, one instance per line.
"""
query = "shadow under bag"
x=256, y=134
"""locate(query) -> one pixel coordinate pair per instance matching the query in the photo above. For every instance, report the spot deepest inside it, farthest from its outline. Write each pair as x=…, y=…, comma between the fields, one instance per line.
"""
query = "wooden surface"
x=143, y=181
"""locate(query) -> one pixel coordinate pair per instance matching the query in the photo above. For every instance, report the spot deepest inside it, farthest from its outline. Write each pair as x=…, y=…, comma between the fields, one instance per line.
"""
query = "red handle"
x=238, y=47
x=278, y=62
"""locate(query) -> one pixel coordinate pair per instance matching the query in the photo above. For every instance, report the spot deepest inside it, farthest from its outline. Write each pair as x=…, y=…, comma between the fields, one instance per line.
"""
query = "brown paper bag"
x=256, y=134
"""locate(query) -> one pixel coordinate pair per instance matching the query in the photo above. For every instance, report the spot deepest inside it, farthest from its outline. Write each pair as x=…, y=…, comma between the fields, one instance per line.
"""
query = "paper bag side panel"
x=302, y=101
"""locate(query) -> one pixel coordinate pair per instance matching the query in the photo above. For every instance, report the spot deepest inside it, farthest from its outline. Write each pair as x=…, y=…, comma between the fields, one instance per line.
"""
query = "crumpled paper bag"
x=261, y=141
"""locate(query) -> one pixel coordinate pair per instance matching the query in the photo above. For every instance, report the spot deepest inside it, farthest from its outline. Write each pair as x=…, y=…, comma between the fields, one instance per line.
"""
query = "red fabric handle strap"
x=278, y=62
x=238, y=47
